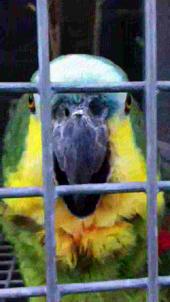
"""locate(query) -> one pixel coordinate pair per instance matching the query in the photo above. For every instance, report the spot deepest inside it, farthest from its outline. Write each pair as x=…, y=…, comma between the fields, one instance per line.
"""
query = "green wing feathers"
x=15, y=135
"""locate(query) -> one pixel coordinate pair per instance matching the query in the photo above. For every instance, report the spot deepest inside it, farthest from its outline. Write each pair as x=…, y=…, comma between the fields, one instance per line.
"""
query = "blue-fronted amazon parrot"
x=97, y=138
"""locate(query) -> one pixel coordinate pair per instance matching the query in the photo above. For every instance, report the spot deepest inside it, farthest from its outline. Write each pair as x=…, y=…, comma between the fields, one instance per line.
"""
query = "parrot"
x=96, y=138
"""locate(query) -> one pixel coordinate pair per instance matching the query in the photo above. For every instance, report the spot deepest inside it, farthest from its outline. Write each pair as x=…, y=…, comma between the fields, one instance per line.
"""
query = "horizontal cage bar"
x=75, y=288
x=18, y=87
x=62, y=190
x=65, y=88
x=26, y=87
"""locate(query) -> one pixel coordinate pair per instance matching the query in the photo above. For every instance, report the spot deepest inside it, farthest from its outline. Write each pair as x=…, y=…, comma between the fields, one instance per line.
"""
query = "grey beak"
x=81, y=149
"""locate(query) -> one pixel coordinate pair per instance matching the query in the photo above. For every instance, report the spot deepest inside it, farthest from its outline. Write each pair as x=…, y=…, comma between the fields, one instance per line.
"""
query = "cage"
x=11, y=280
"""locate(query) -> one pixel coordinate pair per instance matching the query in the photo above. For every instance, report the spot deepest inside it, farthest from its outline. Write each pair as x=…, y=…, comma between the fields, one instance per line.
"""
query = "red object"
x=164, y=241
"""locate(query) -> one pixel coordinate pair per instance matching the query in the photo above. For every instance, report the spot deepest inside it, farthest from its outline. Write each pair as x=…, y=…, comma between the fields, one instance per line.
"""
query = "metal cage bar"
x=65, y=289
x=62, y=190
x=24, y=87
x=52, y=290
x=49, y=188
x=151, y=131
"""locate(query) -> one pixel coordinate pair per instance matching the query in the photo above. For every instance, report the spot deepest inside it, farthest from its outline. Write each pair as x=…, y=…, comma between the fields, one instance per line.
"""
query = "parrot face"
x=79, y=121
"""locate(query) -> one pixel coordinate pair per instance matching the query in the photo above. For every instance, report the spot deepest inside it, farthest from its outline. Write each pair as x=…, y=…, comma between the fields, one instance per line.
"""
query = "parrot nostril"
x=67, y=112
x=77, y=113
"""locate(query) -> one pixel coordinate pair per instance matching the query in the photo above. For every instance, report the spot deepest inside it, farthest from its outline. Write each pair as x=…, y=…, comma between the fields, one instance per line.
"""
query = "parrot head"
x=81, y=147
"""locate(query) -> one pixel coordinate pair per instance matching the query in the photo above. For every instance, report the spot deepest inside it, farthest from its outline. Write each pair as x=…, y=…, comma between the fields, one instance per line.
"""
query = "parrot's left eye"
x=128, y=104
x=97, y=108
x=31, y=104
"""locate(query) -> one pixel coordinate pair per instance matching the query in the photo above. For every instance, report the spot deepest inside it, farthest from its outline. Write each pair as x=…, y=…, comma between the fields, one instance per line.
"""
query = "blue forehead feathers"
x=86, y=70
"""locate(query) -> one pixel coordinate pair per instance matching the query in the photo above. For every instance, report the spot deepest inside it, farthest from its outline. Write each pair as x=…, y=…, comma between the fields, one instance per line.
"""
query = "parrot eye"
x=128, y=104
x=96, y=107
x=31, y=104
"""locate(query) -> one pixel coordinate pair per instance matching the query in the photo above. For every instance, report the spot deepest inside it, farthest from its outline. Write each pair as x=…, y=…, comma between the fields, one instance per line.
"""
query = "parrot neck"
x=127, y=161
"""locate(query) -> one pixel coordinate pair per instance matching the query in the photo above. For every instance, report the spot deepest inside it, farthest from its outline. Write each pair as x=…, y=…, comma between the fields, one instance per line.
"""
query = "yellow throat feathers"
x=103, y=232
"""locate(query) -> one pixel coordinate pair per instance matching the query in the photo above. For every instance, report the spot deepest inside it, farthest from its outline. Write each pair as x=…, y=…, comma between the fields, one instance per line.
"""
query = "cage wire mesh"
x=52, y=290
x=9, y=274
x=9, y=270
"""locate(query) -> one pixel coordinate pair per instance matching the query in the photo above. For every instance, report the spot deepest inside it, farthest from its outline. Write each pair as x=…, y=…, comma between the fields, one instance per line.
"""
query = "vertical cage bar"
x=49, y=190
x=151, y=128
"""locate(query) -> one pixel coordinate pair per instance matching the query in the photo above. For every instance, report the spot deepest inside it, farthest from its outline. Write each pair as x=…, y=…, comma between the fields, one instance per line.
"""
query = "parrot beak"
x=81, y=156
